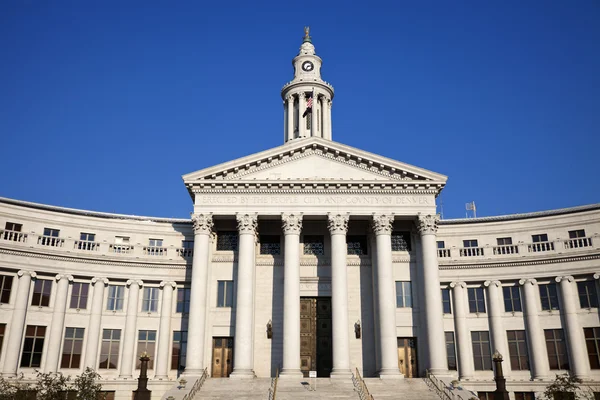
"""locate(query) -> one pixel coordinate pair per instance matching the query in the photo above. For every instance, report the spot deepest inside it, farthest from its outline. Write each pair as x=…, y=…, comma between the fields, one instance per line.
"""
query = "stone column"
x=164, y=334
x=385, y=297
x=313, y=111
x=129, y=335
x=437, y=363
x=17, y=324
x=536, y=343
x=58, y=322
x=338, y=226
x=243, y=363
x=203, y=225
x=292, y=225
x=494, y=304
x=329, y=123
x=301, y=109
x=461, y=332
x=93, y=339
x=290, y=117
x=578, y=358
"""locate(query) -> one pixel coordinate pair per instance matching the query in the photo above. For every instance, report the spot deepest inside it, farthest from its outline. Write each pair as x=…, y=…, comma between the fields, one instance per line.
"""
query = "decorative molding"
x=530, y=281
x=427, y=224
x=337, y=223
x=292, y=223
x=247, y=223
x=202, y=223
x=383, y=224
x=568, y=278
x=164, y=284
x=492, y=283
x=319, y=187
x=520, y=263
x=458, y=284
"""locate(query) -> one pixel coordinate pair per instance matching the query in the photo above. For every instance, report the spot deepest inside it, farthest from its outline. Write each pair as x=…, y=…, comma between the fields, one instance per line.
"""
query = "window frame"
x=39, y=297
x=404, y=300
x=184, y=301
x=518, y=351
x=357, y=245
x=71, y=343
x=150, y=297
x=504, y=241
x=179, y=360
x=451, y=344
x=34, y=339
x=308, y=242
x=113, y=354
x=476, y=297
x=470, y=243
x=587, y=299
x=558, y=344
x=483, y=361
x=220, y=243
x=118, y=298
x=5, y=292
x=512, y=302
x=549, y=300
x=78, y=297
x=446, y=302
x=146, y=344
x=592, y=339
x=405, y=237
x=226, y=292
x=269, y=242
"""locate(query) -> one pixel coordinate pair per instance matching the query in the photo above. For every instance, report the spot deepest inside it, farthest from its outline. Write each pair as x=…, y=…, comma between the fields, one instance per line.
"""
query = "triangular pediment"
x=313, y=161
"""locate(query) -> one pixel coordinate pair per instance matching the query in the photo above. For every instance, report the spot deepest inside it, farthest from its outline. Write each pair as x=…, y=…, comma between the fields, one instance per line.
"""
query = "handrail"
x=361, y=387
x=273, y=388
x=197, y=386
x=438, y=386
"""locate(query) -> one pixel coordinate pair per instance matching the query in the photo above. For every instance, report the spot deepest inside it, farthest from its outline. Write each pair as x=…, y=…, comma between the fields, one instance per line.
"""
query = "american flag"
x=309, y=103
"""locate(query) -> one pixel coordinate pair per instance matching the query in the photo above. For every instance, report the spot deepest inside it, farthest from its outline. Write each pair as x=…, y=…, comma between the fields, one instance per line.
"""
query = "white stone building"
x=309, y=256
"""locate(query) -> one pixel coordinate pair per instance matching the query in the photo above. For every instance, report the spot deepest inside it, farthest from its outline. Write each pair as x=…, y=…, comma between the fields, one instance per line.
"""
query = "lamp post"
x=142, y=392
x=500, y=393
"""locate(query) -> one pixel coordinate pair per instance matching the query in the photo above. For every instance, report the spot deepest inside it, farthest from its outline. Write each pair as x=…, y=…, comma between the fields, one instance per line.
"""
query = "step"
x=407, y=389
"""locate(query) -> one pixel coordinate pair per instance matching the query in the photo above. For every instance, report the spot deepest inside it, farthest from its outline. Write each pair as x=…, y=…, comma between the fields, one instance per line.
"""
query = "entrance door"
x=222, y=360
x=315, y=336
x=407, y=357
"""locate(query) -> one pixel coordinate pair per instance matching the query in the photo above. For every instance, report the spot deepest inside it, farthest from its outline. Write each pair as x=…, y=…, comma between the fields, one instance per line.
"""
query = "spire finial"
x=307, y=34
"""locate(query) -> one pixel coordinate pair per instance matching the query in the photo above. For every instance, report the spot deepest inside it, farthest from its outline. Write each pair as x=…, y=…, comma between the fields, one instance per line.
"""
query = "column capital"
x=490, y=283
x=337, y=223
x=69, y=278
x=596, y=276
x=531, y=281
x=292, y=223
x=203, y=224
x=290, y=97
x=168, y=283
x=382, y=224
x=25, y=272
x=138, y=282
x=427, y=224
x=247, y=223
x=568, y=278
x=98, y=279
x=458, y=284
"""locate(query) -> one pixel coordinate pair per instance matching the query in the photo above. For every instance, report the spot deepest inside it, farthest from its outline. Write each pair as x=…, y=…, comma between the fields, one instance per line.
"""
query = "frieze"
x=314, y=200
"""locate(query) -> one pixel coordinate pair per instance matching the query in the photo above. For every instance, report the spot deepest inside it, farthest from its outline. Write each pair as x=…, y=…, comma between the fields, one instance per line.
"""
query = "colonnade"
x=293, y=116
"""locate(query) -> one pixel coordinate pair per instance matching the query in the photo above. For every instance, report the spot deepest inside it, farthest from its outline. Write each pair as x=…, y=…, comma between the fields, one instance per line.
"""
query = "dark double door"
x=316, y=353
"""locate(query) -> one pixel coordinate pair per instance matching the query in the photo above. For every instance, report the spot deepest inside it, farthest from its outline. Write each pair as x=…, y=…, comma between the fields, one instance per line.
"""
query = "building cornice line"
x=331, y=191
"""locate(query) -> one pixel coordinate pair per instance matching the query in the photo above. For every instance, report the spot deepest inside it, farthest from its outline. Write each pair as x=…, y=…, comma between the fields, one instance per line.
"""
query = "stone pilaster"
x=93, y=334
x=461, y=331
x=536, y=344
x=164, y=333
x=58, y=322
x=129, y=334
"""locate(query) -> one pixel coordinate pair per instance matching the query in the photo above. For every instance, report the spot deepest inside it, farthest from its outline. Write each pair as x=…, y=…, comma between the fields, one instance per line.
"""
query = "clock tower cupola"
x=307, y=98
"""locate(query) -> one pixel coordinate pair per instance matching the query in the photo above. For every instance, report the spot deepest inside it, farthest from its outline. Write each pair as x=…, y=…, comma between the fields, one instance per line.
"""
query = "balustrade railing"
x=155, y=251
x=185, y=253
x=539, y=247
x=86, y=245
x=361, y=387
x=470, y=251
x=197, y=386
x=13, y=236
x=438, y=387
x=576, y=243
x=51, y=241
x=121, y=248
x=444, y=253
x=505, y=249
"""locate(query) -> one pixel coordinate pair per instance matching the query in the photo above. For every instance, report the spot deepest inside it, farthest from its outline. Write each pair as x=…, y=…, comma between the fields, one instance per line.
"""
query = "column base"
x=125, y=376
x=242, y=374
x=187, y=373
x=440, y=372
x=341, y=373
x=161, y=377
x=390, y=373
x=291, y=373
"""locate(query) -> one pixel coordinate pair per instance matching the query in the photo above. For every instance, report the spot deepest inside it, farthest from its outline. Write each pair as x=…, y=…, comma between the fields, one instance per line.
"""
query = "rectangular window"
x=50, y=237
x=356, y=244
x=5, y=288
x=512, y=299
x=227, y=241
x=450, y=350
x=592, y=342
x=179, y=350
x=72, y=347
x=150, y=299
x=441, y=244
x=549, y=296
x=579, y=233
x=476, y=300
x=517, y=348
x=183, y=300
x=482, y=355
x=12, y=231
x=557, y=349
x=504, y=241
x=470, y=243
x=146, y=344
x=403, y=294
x=86, y=241
x=79, y=295
x=42, y=289
x=542, y=237
x=33, y=346
x=524, y=396
x=225, y=294
x=115, y=298
x=51, y=232
x=2, y=332
x=121, y=239
x=577, y=239
x=270, y=244
x=109, y=351
x=588, y=297
x=540, y=243
x=401, y=241
x=314, y=245
x=187, y=248
x=12, y=226
x=446, y=305
x=155, y=242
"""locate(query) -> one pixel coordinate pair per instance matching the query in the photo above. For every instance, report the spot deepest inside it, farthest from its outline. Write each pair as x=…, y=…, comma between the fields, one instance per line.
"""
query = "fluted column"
x=292, y=225
x=290, y=117
x=494, y=303
x=338, y=227
x=164, y=333
x=194, y=364
x=538, y=357
x=385, y=297
x=301, y=120
x=243, y=363
x=461, y=331
x=17, y=324
x=578, y=358
x=58, y=322
x=93, y=340
x=437, y=363
x=313, y=111
x=129, y=345
x=329, y=123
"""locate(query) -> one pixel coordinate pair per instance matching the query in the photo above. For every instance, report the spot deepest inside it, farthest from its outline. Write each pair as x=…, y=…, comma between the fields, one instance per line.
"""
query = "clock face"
x=307, y=66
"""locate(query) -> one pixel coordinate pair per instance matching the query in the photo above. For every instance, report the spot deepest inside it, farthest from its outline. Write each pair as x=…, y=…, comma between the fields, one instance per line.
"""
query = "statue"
x=306, y=32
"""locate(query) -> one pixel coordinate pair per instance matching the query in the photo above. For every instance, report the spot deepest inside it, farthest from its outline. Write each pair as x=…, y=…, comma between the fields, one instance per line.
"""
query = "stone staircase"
x=405, y=389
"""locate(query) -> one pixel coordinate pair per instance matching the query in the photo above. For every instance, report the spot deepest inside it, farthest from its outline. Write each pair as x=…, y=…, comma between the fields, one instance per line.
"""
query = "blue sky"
x=104, y=105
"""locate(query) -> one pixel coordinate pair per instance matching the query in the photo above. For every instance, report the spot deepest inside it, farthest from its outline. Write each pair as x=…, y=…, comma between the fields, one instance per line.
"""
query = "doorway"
x=222, y=359
x=316, y=353
x=407, y=357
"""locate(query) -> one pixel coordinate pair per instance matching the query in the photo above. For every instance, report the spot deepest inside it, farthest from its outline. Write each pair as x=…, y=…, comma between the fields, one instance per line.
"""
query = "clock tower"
x=307, y=98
